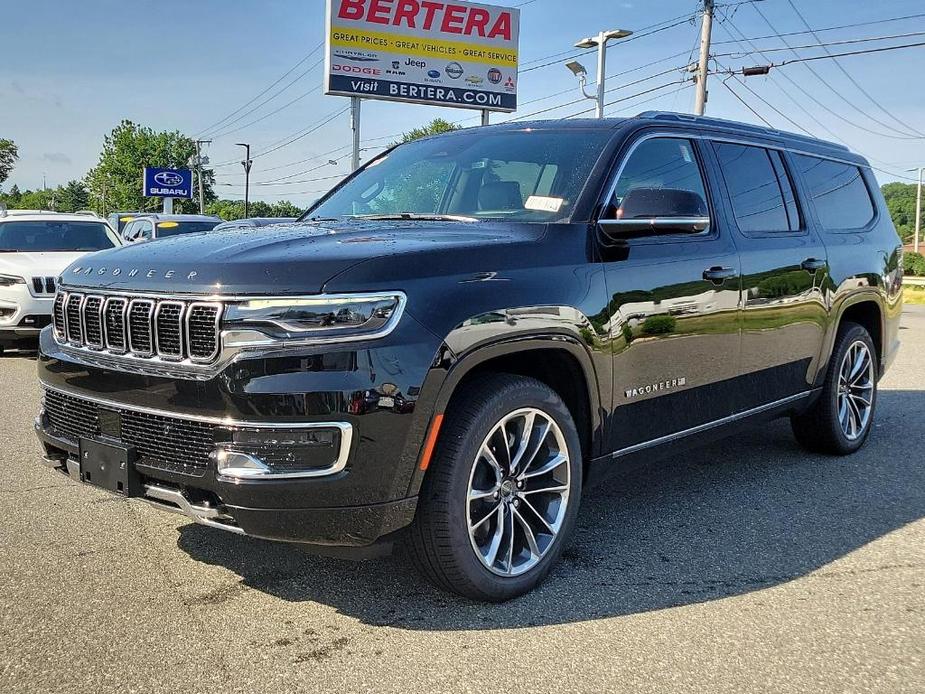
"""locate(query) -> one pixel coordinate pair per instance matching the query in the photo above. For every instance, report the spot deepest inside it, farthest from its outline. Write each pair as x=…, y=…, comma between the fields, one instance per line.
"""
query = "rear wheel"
x=840, y=421
x=502, y=493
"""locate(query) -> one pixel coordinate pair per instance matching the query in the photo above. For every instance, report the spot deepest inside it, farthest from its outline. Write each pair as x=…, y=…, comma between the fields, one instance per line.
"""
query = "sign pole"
x=485, y=114
x=168, y=205
x=355, y=126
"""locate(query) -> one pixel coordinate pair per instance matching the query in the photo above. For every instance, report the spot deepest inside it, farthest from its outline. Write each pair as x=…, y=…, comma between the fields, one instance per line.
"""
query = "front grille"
x=140, y=334
x=72, y=318
x=43, y=285
x=93, y=321
x=58, y=314
x=169, y=329
x=165, y=443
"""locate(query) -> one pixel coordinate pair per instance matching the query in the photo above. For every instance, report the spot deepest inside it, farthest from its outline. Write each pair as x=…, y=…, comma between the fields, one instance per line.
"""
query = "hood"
x=281, y=259
x=28, y=264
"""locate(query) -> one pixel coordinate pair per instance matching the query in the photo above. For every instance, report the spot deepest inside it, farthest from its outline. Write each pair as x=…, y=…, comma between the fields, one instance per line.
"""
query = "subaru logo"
x=433, y=74
x=168, y=178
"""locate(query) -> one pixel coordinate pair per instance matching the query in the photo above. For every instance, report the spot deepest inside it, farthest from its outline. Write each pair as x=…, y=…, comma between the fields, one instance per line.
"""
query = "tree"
x=435, y=127
x=900, y=201
x=9, y=153
x=234, y=209
x=115, y=182
x=72, y=197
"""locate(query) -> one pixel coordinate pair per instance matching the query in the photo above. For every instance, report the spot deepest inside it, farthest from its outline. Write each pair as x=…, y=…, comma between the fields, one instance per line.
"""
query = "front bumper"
x=355, y=526
x=29, y=315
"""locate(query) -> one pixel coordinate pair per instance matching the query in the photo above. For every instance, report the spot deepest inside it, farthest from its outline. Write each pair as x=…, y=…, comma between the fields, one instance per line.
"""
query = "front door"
x=784, y=271
x=674, y=308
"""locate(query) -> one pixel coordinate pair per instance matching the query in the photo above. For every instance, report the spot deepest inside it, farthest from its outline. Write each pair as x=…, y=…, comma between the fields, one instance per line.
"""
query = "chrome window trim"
x=131, y=347
x=714, y=137
x=217, y=323
x=83, y=317
x=180, y=327
x=124, y=348
x=345, y=428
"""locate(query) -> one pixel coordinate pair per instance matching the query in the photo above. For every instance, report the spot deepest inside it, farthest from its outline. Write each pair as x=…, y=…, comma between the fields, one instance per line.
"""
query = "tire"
x=474, y=564
x=828, y=428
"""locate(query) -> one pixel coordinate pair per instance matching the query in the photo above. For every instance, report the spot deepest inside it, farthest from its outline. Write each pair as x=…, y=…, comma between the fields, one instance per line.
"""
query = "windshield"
x=533, y=176
x=165, y=229
x=50, y=236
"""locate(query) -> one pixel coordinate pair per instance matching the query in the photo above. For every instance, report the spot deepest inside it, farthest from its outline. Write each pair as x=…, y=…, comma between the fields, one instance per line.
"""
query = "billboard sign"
x=423, y=51
x=168, y=183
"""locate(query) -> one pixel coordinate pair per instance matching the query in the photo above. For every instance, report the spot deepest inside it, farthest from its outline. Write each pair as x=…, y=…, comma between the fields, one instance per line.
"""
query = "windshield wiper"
x=425, y=216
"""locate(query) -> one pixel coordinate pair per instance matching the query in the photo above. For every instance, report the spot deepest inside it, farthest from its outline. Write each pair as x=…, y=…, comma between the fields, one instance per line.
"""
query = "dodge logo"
x=168, y=178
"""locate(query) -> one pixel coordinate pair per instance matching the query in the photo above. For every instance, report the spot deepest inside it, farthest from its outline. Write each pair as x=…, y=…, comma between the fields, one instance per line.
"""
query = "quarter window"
x=759, y=189
x=838, y=192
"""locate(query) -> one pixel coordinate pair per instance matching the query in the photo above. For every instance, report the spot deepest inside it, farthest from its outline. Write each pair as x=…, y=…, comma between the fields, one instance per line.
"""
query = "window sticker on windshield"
x=543, y=203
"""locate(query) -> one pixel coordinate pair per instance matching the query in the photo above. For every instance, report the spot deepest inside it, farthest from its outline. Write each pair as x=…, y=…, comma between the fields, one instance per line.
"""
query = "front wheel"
x=502, y=492
x=840, y=421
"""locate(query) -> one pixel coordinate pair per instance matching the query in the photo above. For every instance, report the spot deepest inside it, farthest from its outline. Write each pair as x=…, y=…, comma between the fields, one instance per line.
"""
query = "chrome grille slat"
x=73, y=324
x=93, y=321
x=141, y=327
x=163, y=332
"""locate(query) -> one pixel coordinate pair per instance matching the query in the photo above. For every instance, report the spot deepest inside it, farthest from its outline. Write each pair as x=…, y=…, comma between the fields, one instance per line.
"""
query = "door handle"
x=717, y=274
x=812, y=264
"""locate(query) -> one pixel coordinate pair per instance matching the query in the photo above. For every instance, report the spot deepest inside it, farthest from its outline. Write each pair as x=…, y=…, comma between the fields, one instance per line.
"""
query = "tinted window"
x=664, y=164
x=51, y=236
x=165, y=229
x=527, y=175
x=838, y=192
x=759, y=190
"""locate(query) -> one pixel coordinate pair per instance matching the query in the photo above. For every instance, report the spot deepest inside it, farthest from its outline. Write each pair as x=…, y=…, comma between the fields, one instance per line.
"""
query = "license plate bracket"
x=109, y=466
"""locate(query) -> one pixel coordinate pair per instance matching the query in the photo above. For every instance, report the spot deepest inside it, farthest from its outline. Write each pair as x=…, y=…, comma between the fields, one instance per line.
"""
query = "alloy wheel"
x=855, y=390
x=518, y=492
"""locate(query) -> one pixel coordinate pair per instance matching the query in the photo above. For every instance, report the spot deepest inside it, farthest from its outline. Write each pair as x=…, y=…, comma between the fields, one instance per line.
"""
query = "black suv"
x=459, y=337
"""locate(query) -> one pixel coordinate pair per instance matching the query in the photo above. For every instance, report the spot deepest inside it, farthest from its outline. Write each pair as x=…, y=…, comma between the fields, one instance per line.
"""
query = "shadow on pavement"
x=738, y=516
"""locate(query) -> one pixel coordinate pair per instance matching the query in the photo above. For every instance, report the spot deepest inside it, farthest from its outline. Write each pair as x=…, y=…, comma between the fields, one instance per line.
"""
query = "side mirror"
x=652, y=211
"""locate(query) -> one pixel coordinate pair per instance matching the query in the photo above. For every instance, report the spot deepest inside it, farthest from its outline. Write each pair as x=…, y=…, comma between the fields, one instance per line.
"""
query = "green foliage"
x=115, y=183
x=787, y=284
x=914, y=264
x=8, y=156
x=68, y=198
x=435, y=127
x=234, y=209
x=627, y=332
x=659, y=325
x=900, y=200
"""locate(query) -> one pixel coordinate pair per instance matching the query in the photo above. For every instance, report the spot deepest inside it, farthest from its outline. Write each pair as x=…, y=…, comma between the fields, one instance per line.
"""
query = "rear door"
x=784, y=273
x=674, y=301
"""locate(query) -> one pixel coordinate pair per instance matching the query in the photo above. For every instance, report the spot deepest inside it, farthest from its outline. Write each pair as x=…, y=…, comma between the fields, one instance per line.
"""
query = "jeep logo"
x=168, y=178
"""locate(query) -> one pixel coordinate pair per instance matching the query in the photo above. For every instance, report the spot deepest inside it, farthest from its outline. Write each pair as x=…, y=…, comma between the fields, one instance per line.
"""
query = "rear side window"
x=759, y=189
x=838, y=191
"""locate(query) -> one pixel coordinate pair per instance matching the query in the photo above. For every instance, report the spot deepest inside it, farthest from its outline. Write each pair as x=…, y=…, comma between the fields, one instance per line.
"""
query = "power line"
x=823, y=29
x=284, y=75
x=823, y=45
x=271, y=113
x=850, y=78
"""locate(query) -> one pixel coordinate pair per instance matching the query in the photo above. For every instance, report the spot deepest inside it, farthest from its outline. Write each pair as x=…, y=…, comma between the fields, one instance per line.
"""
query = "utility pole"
x=918, y=211
x=706, y=29
x=355, y=126
x=247, y=174
x=199, y=163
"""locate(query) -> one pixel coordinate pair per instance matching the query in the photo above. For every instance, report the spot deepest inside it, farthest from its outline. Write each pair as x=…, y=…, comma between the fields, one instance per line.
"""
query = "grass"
x=913, y=294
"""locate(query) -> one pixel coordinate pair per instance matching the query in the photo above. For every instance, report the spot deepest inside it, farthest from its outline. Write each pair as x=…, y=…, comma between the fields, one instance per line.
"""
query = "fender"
x=507, y=339
x=840, y=304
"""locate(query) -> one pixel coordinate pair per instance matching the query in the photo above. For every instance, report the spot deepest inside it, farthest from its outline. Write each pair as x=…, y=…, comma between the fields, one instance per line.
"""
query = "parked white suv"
x=35, y=247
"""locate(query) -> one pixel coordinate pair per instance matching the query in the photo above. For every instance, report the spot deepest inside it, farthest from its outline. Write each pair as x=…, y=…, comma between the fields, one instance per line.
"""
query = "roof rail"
x=737, y=125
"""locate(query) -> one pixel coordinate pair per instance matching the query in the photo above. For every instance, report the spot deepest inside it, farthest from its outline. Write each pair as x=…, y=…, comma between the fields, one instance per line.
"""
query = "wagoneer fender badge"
x=655, y=387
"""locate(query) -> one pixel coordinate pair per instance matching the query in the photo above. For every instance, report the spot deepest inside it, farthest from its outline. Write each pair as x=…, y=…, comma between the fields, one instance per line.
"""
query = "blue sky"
x=70, y=71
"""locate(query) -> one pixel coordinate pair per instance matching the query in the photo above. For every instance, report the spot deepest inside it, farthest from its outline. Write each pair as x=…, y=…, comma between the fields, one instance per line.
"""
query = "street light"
x=579, y=71
x=247, y=174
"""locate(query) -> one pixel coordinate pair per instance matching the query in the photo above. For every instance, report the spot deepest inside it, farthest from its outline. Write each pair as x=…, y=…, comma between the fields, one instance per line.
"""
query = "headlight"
x=10, y=280
x=305, y=320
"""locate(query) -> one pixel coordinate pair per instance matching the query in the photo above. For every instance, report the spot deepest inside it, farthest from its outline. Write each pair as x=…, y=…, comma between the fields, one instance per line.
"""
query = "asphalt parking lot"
x=745, y=566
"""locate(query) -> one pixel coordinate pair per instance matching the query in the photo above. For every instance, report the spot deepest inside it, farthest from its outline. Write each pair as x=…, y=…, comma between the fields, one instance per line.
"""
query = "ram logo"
x=168, y=178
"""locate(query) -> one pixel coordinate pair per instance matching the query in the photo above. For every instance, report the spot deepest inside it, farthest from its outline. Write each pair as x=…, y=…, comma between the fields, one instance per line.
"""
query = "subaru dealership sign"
x=423, y=51
x=168, y=183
